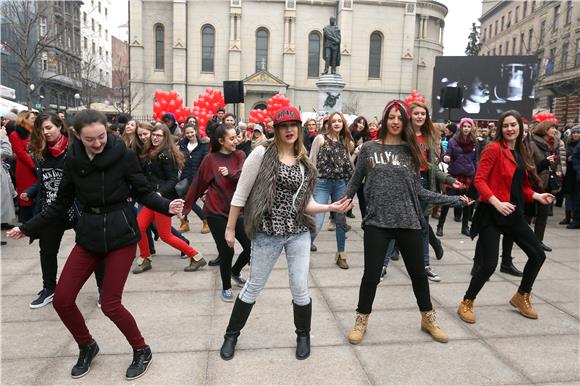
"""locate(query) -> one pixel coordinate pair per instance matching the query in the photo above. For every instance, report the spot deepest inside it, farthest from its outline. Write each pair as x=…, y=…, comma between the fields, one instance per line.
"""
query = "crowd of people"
x=269, y=185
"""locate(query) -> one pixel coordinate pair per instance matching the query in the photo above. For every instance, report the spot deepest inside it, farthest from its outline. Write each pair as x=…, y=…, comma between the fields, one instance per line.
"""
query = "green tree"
x=473, y=44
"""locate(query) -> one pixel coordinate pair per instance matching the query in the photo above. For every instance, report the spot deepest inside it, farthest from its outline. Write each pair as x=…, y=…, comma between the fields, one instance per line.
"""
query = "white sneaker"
x=431, y=275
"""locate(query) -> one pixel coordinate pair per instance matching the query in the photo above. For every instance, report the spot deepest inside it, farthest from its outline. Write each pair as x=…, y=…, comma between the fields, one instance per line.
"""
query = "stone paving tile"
x=457, y=362
x=326, y=366
x=543, y=359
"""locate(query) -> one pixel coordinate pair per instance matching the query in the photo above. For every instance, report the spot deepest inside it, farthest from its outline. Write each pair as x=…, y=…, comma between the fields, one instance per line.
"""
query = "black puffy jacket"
x=161, y=172
x=102, y=186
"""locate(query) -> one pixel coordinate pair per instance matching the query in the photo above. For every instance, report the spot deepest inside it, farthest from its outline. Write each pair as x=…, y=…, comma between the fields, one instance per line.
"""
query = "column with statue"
x=330, y=86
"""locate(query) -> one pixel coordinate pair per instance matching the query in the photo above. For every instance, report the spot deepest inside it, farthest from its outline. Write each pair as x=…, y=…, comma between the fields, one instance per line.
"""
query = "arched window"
x=207, y=48
x=314, y=54
x=375, y=55
x=262, y=37
x=159, y=47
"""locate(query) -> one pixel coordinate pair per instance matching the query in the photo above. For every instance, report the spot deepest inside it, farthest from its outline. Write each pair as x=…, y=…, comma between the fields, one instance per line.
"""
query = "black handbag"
x=554, y=185
x=182, y=187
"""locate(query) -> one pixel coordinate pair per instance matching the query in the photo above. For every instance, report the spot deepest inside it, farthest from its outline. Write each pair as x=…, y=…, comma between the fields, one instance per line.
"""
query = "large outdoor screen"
x=490, y=85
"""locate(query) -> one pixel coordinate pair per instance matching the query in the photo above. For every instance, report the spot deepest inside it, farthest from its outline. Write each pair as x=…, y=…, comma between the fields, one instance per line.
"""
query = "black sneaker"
x=545, y=247
x=313, y=248
x=349, y=214
x=383, y=273
x=431, y=275
x=141, y=360
x=214, y=262
x=44, y=297
x=86, y=355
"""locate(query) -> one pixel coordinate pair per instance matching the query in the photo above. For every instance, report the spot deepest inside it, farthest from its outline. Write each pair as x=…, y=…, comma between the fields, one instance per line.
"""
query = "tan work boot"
x=341, y=260
x=204, y=228
x=429, y=324
x=522, y=303
x=144, y=266
x=194, y=265
x=184, y=227
x=359, y=329
x=331, y=226
x=465, y=311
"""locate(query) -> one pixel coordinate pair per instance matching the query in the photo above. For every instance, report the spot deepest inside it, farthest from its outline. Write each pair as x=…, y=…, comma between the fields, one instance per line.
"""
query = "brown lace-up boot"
x=522, y=303
x=429, y=324
x=359, y=329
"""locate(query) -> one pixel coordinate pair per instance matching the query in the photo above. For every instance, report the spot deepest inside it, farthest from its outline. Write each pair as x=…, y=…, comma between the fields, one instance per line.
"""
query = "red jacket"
x=25, y=168
x=495, y=174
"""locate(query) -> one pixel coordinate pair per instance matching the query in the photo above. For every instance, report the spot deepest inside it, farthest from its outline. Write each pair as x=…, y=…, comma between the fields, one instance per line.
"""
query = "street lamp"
x=77, y=97
x=32, y=87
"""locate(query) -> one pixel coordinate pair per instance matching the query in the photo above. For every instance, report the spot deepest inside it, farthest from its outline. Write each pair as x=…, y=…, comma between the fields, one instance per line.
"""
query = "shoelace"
x=432, y=318
x=359, y=324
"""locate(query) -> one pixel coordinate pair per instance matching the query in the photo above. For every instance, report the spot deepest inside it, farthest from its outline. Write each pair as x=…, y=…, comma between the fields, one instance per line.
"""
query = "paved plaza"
x=183, y=319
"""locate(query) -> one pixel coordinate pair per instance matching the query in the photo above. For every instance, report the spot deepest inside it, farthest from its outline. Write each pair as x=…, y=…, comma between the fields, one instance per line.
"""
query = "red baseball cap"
x=286, y=114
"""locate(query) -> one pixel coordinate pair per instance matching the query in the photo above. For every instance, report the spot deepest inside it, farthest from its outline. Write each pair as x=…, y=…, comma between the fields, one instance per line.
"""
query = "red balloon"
x=163, y=103
x=171, y=106
x=156, y=107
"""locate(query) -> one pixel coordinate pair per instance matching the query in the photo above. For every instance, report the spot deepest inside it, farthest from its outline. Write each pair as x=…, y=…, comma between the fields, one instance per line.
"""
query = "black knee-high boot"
x=302, y=319
x=240, y=314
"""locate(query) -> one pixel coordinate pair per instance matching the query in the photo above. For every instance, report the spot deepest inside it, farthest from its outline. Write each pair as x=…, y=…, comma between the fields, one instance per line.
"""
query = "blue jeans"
x=265, y=252
x=391, y=248
x=325, y=190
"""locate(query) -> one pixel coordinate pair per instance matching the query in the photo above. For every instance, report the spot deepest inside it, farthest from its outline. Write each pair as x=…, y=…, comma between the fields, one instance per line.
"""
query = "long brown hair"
x=471, y=136
x=299, y=150
x=345, y=136
x=167, y=144
x=128, y=140
x=408, y=133
x=21, y=119
x=427, y=129
x=37, y=145
x=520, y=145
x=138, y=146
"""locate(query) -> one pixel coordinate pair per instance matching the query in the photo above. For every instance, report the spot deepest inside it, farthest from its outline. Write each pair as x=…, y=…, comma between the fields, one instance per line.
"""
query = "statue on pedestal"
x=331, y=47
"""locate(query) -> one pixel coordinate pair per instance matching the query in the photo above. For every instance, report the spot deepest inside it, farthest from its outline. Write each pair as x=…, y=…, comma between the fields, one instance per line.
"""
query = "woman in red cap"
x=276, y=216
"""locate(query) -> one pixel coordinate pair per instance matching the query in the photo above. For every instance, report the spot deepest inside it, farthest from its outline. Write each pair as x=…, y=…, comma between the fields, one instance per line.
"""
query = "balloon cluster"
x=170, y=102
x=414, y=96
x=541, y=117
x=206, y=106
x=273, y=105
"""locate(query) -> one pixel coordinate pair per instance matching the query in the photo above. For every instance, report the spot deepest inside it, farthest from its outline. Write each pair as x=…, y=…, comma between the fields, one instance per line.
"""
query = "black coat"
x=193, y=159
x=162, y=173
x=102, y=186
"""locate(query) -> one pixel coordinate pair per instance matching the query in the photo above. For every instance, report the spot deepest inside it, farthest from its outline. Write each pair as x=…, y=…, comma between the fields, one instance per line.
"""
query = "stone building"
x=388, y=48
x=547, y=29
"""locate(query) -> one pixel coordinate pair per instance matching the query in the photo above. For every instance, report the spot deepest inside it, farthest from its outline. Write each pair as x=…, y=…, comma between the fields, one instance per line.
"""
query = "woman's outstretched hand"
x=15, y=233
x=467, y=200
x=544, y=198
x=341, y=206
x=176, y=207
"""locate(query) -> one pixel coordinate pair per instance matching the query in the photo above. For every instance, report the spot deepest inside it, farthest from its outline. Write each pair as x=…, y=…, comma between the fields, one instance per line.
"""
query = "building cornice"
x=493, y=11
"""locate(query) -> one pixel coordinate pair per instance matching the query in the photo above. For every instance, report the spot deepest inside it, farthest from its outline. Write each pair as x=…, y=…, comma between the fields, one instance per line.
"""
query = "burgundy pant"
x=78, y=268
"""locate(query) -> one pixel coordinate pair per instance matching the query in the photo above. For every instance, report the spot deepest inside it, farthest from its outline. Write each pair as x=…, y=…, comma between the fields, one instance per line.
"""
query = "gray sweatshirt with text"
x=392, y=187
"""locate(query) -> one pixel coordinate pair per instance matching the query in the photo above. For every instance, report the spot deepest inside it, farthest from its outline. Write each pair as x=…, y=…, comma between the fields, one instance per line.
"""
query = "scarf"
x=58, y=147
x=374, y=135
x=466, y=144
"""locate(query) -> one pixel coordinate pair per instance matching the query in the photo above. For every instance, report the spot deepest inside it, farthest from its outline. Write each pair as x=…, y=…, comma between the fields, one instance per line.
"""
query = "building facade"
x=388, y=49
x=52, y=60
x=96, y=41
x=549, y=30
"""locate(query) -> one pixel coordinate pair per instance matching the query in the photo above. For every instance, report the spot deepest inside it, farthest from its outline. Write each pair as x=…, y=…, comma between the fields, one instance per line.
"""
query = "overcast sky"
x=457, y=23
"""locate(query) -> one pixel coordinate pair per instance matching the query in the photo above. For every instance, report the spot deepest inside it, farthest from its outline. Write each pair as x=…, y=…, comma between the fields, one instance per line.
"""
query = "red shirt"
x=495, y=173
x=220, y=189
x=424, y=150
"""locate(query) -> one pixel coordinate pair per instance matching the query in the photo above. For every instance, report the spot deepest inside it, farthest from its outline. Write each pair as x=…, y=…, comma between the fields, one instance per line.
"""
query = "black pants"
x=487, y=249
x=49, y=242
x=542, y=212
x=361, y=200
x=464, y=213
x=410, y=243
x=217, y=226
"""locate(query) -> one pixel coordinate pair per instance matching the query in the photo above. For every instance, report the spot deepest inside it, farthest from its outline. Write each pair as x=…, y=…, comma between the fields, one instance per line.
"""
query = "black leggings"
x=217, y=226
x=49, y=241
x=487, y=249
x=410, y=243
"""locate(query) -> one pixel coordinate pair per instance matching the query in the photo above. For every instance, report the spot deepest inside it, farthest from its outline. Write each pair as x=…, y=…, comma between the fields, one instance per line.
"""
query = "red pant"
x=78, y=268
x=145, y=218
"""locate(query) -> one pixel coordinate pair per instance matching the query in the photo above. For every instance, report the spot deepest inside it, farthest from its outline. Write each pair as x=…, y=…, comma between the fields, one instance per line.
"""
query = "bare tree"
x=351, y=105
x=30, y=34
